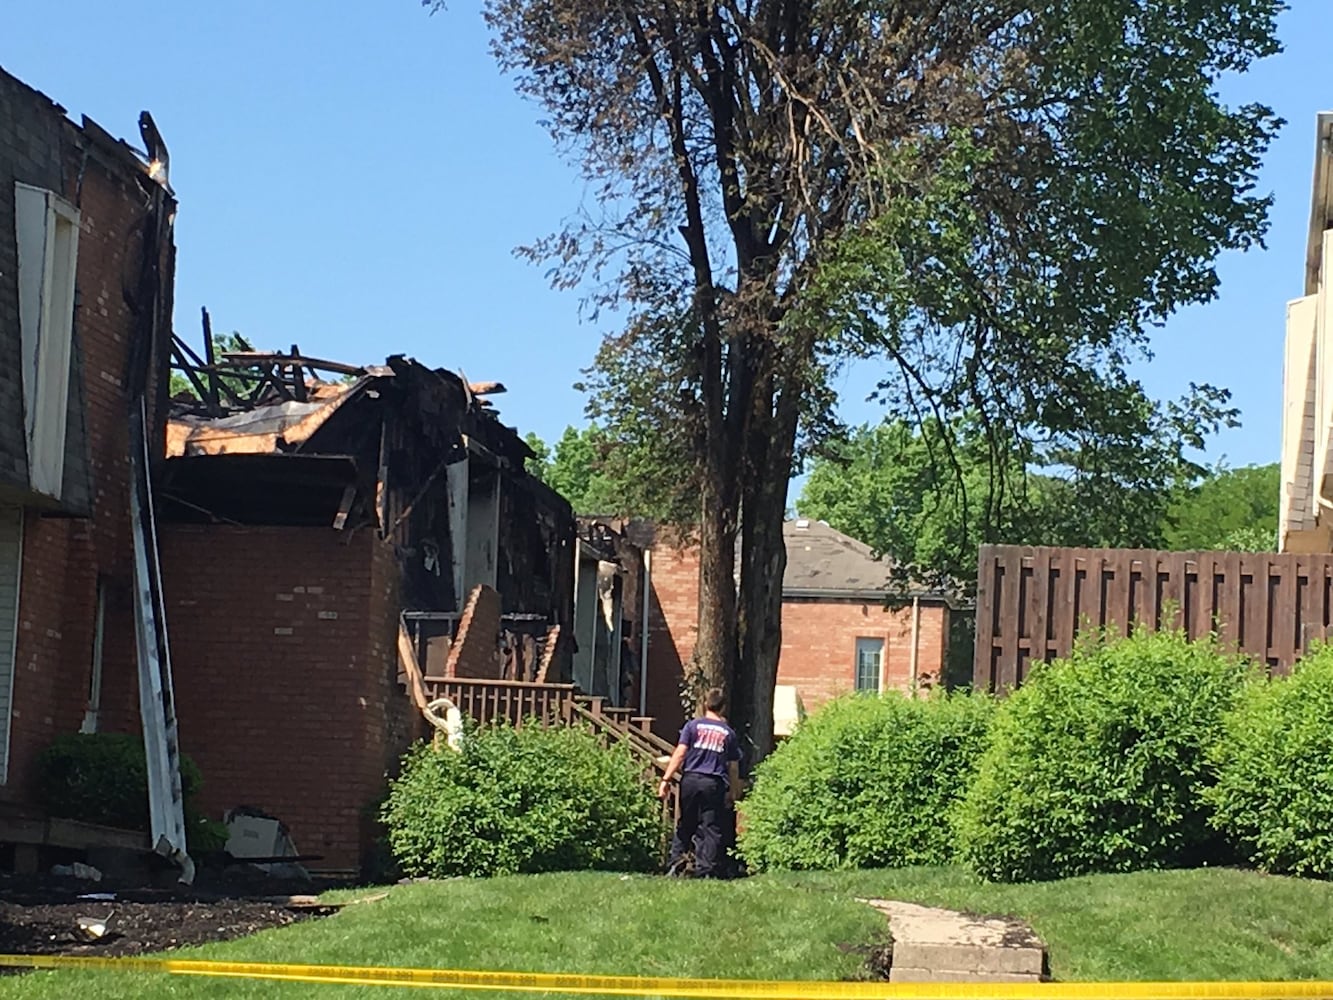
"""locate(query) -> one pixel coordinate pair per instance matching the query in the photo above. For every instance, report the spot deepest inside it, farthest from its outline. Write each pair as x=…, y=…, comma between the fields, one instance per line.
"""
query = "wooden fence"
x=1032, y=602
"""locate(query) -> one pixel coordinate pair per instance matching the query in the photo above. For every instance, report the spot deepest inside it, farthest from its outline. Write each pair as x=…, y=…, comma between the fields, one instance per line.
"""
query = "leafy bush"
x=1274, y=791
x=103, y=778
x=1097, y=763
x=522, y=800
x=866, y=782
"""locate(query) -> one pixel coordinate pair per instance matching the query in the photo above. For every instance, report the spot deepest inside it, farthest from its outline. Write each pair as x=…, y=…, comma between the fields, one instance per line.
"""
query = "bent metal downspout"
x=643, y=631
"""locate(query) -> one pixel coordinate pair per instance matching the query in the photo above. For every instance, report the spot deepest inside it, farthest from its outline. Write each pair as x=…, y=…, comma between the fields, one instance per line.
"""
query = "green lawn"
x=1164, y=925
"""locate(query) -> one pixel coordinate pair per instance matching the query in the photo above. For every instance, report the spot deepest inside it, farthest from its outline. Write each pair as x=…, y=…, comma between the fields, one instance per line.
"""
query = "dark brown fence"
x=1031, y=602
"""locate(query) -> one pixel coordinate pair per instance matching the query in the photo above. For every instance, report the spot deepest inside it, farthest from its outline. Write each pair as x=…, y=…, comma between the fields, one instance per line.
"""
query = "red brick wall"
x=62, y=558
x=818, y=639
x=284, y=653
x=475, y=652
x=673, y=629
x=819, y=646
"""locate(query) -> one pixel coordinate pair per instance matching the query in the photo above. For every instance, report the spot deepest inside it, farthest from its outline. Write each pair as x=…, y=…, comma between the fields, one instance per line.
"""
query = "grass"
x=1208, y=924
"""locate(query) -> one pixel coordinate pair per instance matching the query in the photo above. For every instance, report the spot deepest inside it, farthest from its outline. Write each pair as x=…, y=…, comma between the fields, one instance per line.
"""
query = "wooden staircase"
x=522, y=703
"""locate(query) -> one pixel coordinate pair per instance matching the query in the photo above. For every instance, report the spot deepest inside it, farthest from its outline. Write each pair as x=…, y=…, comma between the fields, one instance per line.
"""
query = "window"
x=869, y=659
x=90, y=717
x=47, y=228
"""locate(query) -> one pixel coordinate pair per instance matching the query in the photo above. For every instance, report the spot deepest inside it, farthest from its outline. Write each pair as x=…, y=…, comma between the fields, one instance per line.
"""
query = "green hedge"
x=1098, y=763
x=520, y=801
x=103, y=778
x=1274, y=791
x=866, y=782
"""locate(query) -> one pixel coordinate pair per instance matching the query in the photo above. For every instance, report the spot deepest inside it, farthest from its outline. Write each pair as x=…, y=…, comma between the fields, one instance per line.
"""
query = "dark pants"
x=702, y=802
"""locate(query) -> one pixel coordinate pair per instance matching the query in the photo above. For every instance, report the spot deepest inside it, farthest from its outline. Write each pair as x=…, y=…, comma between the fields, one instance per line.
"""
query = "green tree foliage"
x=866, y=782
x=1229, y=509
x=903, y=492
x=1274, y=791
x=997, y=203
x=1098, y=763
x=601, y=474
x=923, y=496
x=541, y=455
x=577, y=472
x=522, y=801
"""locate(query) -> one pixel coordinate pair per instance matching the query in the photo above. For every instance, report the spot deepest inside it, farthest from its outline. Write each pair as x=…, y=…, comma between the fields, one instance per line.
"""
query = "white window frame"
x=868, y=645
x=47, y=230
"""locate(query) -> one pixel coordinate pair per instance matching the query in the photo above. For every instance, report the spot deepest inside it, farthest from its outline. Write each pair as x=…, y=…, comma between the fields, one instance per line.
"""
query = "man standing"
x=708, y=756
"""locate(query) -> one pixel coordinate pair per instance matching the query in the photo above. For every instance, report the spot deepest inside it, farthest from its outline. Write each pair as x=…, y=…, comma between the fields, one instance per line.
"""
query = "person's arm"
x=673, y=765
x=734, y=778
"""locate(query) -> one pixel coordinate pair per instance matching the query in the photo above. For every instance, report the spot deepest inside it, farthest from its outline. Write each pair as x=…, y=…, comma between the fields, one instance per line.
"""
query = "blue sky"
x=354, y=176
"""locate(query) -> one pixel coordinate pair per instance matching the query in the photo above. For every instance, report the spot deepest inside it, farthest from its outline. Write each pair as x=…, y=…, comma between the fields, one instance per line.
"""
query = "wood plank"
x=1254, y=602
x=1284, y=615
x=1009, y=587
x=984, y=647
x=1142, y=588
x=1170, y=590
x=1118, y=612
x=1211, y=571
x=1228, y=608
x=1066, y=609
x=1309, y=585
x=1038, y=588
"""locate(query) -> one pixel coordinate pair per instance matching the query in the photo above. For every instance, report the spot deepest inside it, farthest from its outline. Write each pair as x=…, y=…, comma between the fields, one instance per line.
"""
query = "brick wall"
x=64, y=558
x=818, y=639
x=475, y=652
x=819, y=645
x=284, y=653
x=673, y=629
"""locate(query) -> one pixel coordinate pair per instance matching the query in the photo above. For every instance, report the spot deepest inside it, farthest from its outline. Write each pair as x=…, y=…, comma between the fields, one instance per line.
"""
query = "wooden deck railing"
x=524, y=702
x=515, y=702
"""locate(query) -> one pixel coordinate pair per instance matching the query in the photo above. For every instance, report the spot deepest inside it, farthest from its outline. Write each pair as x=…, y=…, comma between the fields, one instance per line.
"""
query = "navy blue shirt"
x=710, y=744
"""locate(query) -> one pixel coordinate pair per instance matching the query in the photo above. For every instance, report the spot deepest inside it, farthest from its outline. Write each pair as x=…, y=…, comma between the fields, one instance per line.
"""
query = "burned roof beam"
x=260, y=358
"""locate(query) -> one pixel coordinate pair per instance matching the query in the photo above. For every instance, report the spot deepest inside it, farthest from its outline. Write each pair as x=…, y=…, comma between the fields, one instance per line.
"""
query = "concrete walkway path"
x=944, y=946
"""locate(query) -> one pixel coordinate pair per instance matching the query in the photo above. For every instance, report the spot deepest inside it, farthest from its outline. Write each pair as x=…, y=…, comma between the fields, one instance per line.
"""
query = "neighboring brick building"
x=840, y=632
x=86, y=262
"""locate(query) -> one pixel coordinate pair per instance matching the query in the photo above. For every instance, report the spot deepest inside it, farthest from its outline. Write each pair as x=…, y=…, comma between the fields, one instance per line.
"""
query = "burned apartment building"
x=86, y=266
x=310, y=515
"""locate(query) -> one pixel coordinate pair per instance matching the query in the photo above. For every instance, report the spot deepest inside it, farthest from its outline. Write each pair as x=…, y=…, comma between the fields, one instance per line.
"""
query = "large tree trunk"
x=714, y=660
x=769, y=448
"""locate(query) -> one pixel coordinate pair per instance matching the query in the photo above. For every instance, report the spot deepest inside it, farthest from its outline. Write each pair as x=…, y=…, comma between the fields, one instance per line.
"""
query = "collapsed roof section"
x=286, y=444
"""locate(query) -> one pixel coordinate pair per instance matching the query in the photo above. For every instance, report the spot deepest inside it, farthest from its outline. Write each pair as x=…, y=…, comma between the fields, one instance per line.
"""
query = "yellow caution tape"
x=653, y=986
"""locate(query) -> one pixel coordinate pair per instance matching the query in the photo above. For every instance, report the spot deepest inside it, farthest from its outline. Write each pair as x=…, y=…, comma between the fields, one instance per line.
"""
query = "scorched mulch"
x=40, y=921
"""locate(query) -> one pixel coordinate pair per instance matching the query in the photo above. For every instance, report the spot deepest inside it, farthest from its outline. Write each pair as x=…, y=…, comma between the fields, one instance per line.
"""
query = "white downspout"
x=916, y=640
x=643, y=631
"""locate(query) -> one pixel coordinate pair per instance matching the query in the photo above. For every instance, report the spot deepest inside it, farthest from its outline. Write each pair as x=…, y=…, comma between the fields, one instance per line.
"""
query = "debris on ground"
x=45, y=915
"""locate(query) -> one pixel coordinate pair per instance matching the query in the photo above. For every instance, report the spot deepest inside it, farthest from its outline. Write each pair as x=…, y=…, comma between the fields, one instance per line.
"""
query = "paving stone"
x=907, y=975
x=968, y=957
x=937, y=945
